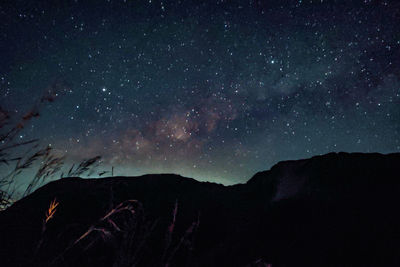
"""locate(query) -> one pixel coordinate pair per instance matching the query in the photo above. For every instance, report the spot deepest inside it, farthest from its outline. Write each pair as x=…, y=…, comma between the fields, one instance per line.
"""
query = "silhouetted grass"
x=86, y=166
x=126, y=229
x=18, y=156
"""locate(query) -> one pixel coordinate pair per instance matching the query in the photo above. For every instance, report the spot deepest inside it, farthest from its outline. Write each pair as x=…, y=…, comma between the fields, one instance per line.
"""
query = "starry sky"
x=214, y=90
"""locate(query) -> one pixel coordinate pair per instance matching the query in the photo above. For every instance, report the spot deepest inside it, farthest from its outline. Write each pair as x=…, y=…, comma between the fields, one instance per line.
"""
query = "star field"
x=214, y=90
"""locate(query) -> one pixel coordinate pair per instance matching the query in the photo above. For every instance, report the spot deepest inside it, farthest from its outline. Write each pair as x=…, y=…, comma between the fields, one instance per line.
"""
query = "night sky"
x=214, y=90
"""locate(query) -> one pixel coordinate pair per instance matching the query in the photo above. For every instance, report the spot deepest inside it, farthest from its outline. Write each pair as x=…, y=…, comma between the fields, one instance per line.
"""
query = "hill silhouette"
x=338, y=209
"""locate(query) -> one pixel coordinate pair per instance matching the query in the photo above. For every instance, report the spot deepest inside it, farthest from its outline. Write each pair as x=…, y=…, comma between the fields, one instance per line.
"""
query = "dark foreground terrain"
x=332, y=210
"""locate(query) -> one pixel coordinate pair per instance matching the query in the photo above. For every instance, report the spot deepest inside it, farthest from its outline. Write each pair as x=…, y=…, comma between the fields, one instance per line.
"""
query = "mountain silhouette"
x=338, y=209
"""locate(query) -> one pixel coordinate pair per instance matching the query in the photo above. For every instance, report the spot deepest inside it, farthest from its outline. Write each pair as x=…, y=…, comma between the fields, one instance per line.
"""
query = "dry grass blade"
x=24, y=163
x=19, y=144
x=127, y=205
x=170, y=230
x=50, y=166
x=102, y=173
x=84, y=166
x=51, y=210
x=30, y=160
x=185, y=239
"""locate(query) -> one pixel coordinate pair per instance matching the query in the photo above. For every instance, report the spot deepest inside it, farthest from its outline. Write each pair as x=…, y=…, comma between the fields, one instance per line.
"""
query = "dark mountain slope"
x=332, y=210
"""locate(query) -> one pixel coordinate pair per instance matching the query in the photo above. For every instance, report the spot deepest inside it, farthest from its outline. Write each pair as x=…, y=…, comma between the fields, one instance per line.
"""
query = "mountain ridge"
x=297, y=213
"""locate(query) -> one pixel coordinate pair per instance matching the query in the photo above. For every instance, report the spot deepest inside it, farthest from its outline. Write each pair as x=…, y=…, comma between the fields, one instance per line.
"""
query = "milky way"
x=213, y=90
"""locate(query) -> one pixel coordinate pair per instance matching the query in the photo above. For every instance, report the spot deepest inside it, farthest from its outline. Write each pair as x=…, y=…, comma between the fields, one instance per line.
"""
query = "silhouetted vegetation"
x=125, y=231
x=18, y=156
